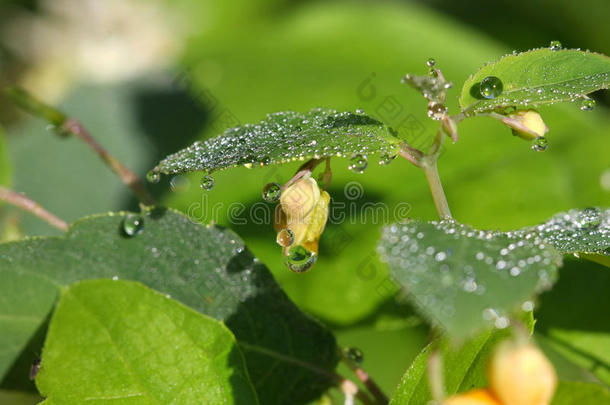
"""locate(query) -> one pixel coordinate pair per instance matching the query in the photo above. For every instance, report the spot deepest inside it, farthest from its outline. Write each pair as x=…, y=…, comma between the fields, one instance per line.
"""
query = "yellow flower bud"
x=300, y=218
x=526, y=124
x=473, y=397
x=520, y=374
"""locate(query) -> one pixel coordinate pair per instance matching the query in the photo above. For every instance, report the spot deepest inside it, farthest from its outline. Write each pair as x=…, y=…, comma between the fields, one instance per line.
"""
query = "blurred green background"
x=150, y=77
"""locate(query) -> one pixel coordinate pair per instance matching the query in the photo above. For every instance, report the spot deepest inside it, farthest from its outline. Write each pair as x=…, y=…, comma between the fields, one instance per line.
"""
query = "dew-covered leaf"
x=534, y=78
x=285, y=137
x=206, y=268
x=463, y=279
x=583, y=232
x=118, y=341
x=464, y=367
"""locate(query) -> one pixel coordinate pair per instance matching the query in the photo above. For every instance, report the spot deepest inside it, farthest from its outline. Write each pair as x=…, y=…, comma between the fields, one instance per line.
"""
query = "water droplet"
x=132, y=224
x=207, y=182
x=360, y=111
x=272, y=192
x=430, y=62
x=300, y=259
x=540, y=144
x=432, y=72
x=587, y=104
x=555, y=45
x=436, y=111
x=153, y=177
x=285, y=237
x=590, y=218
x=358, y=164
x=490, y=87
x=386, y=159
x=354, y=354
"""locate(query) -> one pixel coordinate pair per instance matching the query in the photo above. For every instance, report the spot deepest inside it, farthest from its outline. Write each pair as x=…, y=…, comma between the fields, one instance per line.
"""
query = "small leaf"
x=285, y=137
x=537, y=77
x=464, y=367
x=582, y=232
x=207, y=268
x=433, y=87
x=118, y=341
x=463, y=279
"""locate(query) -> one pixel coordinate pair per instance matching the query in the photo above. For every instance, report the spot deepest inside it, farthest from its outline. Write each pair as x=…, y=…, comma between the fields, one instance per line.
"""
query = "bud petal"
x=526, y=124
x=520, y=374
x=474, y=397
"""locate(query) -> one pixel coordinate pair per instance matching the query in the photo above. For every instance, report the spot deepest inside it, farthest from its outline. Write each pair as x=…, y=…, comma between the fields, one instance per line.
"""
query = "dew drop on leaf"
x=358, y=164
x=490, y=87
x=207, y=182
x=430, y=62
x=587, y=104
x=300, y=259
x=153, y=177
x=132, y=224
x=354, y=354
x=272, y=192
x=540, y=144
x=386, y=159
x=555, y=46
x=589, y=218
x=285, y=237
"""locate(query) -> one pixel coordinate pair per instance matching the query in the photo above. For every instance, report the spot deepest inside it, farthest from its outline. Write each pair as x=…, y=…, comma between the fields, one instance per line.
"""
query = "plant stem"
x=435, y=376
x=305, y=170
x=65, y=126
x=436, y=187
x=23, y=202
x=368, y=382
x=129, y=178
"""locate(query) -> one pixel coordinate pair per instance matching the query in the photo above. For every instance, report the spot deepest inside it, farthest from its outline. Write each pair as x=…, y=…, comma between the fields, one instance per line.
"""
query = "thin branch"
x=363, y=376
x=70, y=126
x=436, y=187
x=411, y=154
x=23, y=202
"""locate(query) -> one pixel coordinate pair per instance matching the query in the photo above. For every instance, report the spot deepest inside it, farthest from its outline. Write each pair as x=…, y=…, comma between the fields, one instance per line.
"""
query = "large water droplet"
x=354, y=354
x=386, y=159
x=587, y=104
x=285, y=237
x=132, y=224
x=300, y=259
x=153, y=177
x=491, y=87
x=358, y=164
x=207, y=182
x=431, y=62
x=272, y=192
x=555, y=45
x=540, y=144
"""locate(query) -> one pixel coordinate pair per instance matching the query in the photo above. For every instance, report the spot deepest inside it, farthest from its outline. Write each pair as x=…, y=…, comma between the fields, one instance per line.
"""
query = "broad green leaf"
x=119, y=342
x=581, y=393
x=572, y=319
x=585, y=232
x=25, y=302
x=464, y=367
x=463, y=279
x=206, y=268
x=538, y=77
x=286, y=137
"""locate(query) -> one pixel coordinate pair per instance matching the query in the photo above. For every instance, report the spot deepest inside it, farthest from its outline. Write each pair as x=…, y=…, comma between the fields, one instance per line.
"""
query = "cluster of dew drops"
x=491, y=87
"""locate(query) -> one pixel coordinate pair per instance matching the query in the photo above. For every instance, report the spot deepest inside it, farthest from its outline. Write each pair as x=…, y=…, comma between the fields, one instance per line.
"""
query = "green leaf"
x=538, y=77
x=571, y=319
x=463, y=279
x=25, y=302
x=585, y=232
x=464, y=367
x=581, y=393
x=117, y=341
x=207, y=268
x=286, y=137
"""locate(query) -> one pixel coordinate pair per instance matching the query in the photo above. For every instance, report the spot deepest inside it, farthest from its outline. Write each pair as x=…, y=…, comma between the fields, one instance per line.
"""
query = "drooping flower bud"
x=520, y=374
x=301, y=214
x=473, y=397
x=526, y=124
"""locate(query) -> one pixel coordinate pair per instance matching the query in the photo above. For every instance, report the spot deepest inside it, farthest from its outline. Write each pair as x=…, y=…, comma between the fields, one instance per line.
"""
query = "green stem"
x=69, y=126
x=436, y=187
